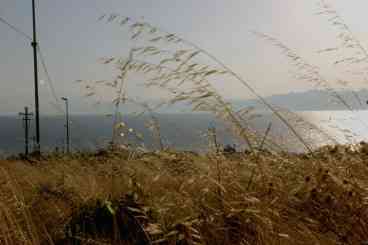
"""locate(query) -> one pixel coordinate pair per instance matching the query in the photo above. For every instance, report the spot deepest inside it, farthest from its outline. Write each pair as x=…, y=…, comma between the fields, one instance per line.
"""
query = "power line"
x=49, y=80
x=14, y=28
x=56, y=105
x=50, y=83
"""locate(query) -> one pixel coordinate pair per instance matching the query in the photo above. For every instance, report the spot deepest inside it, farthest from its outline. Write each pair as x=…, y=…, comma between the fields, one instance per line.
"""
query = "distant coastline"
x=313, y=100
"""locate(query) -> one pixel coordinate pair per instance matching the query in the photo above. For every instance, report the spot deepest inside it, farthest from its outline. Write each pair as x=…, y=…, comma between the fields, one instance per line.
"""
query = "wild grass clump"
x=187, y=73
x=263, y=196
x=184, y=198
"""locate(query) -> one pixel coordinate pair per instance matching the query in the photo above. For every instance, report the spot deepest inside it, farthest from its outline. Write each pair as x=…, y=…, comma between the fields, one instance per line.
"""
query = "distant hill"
x=313, y=100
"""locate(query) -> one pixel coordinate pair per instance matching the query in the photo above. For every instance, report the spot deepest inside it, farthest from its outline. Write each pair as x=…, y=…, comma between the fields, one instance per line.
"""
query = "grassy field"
x=184, y=198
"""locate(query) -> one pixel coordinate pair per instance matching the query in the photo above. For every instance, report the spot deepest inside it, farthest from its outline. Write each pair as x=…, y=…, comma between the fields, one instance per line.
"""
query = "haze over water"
x=180, y=131
x=345, y=126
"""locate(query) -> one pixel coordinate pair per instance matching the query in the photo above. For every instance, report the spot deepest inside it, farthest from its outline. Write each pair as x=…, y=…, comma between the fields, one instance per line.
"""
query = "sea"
x=90, y=132
x=181, y=131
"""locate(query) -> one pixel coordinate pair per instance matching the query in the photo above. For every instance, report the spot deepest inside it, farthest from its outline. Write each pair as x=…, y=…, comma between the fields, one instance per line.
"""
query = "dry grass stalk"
x=173, y=197
x=306, y=71
x=178, y=63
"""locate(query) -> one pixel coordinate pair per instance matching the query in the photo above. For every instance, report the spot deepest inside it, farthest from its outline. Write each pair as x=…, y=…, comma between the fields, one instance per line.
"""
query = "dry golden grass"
x=184, y=198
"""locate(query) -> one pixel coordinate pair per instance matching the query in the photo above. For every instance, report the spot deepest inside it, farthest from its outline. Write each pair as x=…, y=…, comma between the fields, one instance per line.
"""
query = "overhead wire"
x=49, y=80
x=14, y=28
x=54, y=94
x=43, y=63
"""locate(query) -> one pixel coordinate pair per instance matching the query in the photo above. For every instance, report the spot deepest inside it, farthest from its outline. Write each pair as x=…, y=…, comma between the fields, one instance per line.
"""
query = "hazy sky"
x=72, y=41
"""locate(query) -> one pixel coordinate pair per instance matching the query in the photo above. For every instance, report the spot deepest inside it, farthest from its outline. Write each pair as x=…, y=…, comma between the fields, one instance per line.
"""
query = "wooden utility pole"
x=35, y=63
x=27, y=117
x=67, y=124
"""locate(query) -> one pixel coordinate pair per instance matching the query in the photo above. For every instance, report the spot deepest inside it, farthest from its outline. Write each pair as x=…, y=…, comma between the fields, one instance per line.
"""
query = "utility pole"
x=27, y=117
x=35, y=63
x=67, y=124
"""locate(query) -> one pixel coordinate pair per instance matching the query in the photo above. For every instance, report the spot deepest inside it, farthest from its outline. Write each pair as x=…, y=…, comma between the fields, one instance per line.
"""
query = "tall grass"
x=184, y=198
x=185, y=71
x=130, y=197
x=352, y=60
